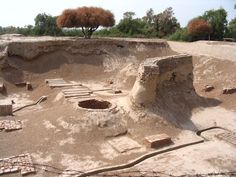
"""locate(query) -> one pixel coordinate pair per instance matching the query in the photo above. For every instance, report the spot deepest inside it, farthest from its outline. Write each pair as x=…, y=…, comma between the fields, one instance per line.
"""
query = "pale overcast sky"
x=23, y=12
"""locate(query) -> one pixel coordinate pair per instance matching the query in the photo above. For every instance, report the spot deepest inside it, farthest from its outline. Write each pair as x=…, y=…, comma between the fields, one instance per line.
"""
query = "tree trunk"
x=88, y=31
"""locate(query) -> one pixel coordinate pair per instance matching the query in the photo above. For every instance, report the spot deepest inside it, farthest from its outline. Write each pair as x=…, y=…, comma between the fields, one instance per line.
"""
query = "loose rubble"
x=21, y=163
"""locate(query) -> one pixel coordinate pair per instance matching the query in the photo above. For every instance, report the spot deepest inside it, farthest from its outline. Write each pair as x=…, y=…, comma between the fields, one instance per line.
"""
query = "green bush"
x=72, y=32
x=181, y=35
x=110, y=32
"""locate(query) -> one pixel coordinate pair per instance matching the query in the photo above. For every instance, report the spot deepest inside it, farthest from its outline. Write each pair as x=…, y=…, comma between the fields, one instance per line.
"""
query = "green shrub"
x=181, y=35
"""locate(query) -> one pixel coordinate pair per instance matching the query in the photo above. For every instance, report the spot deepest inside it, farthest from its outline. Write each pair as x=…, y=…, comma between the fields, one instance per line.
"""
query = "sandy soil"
x=57, y=133
x=220, y=50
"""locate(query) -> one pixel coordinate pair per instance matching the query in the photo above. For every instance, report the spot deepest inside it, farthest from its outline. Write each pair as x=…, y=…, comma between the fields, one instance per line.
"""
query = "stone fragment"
x=229, y=90
x=208, y=88
x=158, y=140
x=117, y=91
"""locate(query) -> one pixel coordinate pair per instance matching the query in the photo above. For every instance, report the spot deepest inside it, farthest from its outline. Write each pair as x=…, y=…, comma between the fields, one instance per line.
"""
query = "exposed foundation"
x=156, y=74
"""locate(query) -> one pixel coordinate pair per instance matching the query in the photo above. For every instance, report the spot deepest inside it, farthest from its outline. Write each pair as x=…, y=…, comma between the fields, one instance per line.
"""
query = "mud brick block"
x=29, y=86
x=2, y=87
x=5, y=107
x=230, y=90
x=158, y=140
x=208, y=88
x=117, y=91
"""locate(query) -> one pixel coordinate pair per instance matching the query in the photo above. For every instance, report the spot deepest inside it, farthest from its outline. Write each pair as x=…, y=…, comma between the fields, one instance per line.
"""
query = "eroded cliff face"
x=74, y=58
x=31, y=48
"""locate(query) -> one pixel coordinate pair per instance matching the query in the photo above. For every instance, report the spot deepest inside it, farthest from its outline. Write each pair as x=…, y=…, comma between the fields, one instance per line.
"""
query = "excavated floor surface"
x=57, y=133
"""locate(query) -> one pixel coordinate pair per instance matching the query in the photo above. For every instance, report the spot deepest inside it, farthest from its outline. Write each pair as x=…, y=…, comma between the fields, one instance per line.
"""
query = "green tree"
x=131, y=26
x=128, y=15
x=149, y=18
x=27, y=30
x=87, y=18
x=181, y=34
x=165, y=23
x=231, y=29
x=46, y=25
x=218, y=22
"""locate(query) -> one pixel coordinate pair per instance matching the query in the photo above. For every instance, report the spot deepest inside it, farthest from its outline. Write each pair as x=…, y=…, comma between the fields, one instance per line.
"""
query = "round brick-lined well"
x=95, y=105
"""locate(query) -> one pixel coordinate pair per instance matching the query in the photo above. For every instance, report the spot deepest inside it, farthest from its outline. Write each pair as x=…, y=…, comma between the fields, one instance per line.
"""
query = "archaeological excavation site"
x=116, y=107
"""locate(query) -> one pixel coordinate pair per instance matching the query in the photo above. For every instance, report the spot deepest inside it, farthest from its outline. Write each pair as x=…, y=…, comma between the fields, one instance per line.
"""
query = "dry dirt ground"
x=58, y=133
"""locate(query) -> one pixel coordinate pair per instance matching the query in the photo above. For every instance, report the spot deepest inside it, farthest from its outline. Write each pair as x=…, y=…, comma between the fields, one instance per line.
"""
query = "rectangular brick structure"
x=123, y=144
x=22, y=163
x=5, y=107
x=229, y=137
x=157, y=140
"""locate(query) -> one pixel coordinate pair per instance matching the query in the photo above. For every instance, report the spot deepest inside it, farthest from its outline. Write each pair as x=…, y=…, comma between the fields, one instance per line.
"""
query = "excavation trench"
x=110, y=64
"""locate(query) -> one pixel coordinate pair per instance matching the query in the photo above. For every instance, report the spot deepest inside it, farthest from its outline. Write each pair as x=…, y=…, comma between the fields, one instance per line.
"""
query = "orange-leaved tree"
x=87, y=18
x=199, y=28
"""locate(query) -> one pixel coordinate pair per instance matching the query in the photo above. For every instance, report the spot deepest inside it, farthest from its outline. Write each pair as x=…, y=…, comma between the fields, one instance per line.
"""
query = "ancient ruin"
x=143, y=107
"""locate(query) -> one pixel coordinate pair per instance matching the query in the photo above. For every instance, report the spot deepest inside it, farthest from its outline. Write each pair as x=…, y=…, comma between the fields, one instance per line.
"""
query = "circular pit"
x=94, y=104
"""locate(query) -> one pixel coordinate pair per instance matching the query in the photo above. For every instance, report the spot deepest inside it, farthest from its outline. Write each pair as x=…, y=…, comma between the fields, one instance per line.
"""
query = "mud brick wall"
x=5, y=108
x=156, y=74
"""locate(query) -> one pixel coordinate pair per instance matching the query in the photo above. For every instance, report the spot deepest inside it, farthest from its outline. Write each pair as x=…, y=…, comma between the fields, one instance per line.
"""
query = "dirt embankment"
x=33, y=59
x=216, y=49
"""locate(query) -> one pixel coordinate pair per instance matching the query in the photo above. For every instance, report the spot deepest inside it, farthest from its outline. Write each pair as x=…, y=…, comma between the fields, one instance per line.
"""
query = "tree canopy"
x=165, y=22
x=85, y=20
x=46, y=25
x=231, y=29
x=218, y=22
x=88, y=18
x=129, y=25
x=199, y=28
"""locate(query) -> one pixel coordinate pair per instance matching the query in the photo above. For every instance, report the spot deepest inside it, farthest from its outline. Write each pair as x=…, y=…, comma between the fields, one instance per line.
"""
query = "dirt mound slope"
x=35, y=59
x=216, y=49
